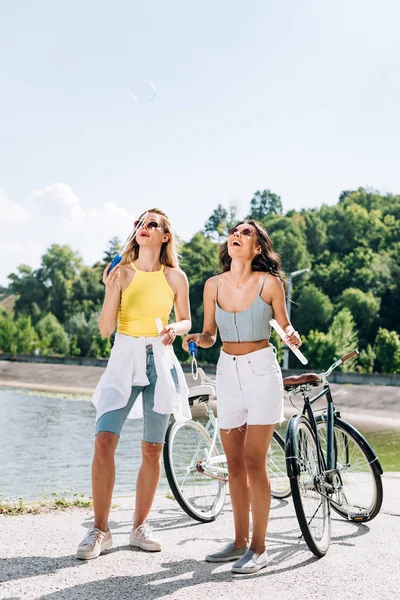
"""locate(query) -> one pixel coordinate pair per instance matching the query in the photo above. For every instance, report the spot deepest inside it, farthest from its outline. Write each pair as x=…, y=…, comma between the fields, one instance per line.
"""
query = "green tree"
x=32, y=294
x=199, y=261
x=322, y=349
x=53, y=337
x=364, y=307
x=387, y=349
x=114, y=248
x=312, y=310
x=366, y=360
x=263, y=204
x=26, y=338
x=217, y=225
x=7, y=333
x=100, y=347
x=60, y=267
x=87, y=291
x=277, y=342
x=83, y=331
x=73, y=345
x=316, y=235
x=289, y=242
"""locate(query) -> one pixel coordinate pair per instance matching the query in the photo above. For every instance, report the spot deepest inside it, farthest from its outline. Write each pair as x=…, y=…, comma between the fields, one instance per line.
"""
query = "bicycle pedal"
x=358, y=517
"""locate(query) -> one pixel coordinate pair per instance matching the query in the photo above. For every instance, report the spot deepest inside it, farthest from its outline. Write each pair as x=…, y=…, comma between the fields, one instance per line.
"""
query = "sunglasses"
x=245, y=231
x=149, y=225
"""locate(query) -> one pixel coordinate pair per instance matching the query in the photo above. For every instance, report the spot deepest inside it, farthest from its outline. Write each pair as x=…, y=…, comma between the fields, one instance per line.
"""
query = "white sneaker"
x=94, y=543
x=250, y=562
x=143, y=538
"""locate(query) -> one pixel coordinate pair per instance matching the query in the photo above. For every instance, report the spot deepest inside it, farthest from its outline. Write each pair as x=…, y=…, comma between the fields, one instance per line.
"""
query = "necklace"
x=240, y=284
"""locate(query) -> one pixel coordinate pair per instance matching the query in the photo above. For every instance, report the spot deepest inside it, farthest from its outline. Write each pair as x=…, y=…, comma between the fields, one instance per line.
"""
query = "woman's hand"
x=111, y=279
x=293, y=337
x=168, y=334
x=193, y=337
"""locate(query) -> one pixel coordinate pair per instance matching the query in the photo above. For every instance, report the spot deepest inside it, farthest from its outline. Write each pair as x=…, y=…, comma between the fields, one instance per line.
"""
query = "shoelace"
x=146, y=531
x=92, y=537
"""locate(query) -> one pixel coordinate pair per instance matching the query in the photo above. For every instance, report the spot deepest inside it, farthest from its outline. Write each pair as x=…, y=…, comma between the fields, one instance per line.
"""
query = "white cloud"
x=51, y=202
x=55, y=214
x=11, y=212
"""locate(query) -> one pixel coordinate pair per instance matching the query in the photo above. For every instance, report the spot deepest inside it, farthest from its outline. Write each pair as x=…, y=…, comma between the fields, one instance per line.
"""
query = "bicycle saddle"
x=295, y=380
x=201, y=390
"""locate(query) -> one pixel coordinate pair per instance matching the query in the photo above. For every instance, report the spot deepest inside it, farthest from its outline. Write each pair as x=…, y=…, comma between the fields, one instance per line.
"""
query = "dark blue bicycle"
x=329, y=463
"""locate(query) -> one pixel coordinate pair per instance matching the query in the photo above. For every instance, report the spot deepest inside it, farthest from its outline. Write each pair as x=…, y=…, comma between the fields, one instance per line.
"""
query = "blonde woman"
x=240, y=302
x=143, y=376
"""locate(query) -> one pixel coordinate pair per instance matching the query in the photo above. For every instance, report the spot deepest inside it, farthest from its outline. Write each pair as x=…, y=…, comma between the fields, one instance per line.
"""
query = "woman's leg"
x=154, y=429
x=257, y=443
x=234, y=441
x=147, y=481
x=108, y=428
x=103, y=477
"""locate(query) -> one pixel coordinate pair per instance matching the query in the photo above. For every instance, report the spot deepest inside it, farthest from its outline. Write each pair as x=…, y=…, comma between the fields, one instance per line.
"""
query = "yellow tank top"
x=147, y=297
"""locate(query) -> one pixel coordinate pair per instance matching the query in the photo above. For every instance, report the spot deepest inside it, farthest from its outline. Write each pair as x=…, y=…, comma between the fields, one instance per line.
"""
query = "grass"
x=59, y=501
x=168, y=494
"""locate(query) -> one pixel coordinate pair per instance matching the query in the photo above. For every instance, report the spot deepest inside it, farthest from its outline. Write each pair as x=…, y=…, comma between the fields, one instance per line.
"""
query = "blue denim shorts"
x=154, y=424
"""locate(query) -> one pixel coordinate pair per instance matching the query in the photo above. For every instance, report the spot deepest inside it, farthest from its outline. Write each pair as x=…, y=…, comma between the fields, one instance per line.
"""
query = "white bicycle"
x=195, y=463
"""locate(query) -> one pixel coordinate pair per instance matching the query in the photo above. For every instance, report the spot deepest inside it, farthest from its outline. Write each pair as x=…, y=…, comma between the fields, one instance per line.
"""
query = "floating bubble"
x=77, y=213
x=143, y=91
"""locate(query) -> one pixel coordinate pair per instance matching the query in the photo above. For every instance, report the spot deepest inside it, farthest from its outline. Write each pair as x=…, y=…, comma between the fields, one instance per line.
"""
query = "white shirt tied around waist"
x=127, y=367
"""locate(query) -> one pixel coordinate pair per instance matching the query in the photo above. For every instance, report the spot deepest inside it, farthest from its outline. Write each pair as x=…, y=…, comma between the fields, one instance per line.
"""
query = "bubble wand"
x=117, y=259
x=282, y=334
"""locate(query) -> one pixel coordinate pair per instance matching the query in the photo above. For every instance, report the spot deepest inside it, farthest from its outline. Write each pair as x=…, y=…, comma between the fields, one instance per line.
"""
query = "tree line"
x=350, y=296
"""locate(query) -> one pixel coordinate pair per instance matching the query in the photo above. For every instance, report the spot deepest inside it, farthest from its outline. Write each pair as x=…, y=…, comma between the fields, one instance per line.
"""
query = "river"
x=46, y=445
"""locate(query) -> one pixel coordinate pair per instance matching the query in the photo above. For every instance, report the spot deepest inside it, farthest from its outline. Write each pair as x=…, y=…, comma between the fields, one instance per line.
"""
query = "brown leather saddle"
x=294, y=381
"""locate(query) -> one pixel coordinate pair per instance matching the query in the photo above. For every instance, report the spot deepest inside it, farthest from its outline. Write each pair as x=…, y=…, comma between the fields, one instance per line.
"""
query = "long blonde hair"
x=168, y=252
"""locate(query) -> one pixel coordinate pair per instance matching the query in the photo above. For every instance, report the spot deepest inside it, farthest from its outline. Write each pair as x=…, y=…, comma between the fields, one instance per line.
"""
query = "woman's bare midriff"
x=240, y=348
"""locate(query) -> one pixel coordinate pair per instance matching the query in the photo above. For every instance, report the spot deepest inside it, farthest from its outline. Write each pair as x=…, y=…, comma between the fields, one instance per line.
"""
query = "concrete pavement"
x=37, y=557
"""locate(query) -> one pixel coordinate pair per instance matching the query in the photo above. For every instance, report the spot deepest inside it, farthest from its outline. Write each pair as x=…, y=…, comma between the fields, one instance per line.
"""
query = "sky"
x=301, y=97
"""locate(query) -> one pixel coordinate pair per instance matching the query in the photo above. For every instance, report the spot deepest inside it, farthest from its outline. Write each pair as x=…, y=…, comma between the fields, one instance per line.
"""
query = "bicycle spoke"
x=188, y=445
x=355, y=483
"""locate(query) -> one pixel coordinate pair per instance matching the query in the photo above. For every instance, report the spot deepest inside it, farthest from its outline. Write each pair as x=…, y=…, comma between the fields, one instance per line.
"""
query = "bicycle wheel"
x=196, y=488
x=276, y=466
x=308, y=485
x=357, y=482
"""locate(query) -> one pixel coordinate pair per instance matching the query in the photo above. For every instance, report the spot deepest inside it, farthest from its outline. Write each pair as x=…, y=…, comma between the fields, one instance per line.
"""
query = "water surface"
x=46, y=444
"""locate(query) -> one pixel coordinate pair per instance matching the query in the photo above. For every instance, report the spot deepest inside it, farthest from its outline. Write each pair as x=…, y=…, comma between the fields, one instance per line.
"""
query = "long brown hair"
x=168, y=252
x=268, y=260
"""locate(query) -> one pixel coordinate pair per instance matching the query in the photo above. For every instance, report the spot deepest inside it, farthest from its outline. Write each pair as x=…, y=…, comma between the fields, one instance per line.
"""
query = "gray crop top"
x=248, y=325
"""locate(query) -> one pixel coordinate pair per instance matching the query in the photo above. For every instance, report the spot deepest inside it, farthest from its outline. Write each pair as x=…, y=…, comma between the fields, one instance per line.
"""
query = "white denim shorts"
x=249, y=389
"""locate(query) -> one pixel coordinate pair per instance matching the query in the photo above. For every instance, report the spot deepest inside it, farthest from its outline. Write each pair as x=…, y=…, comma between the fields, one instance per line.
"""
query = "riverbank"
x=367, y=406
x=37, y=557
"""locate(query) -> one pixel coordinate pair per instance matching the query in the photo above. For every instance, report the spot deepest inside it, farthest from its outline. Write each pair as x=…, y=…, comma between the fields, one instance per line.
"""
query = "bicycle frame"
x=211, y=460
x=327, y=463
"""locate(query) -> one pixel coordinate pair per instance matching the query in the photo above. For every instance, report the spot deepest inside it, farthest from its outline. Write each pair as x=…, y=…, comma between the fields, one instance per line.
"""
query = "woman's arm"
x=276, y=294
x=179, y=283
x=207, y=338
x=109, y=313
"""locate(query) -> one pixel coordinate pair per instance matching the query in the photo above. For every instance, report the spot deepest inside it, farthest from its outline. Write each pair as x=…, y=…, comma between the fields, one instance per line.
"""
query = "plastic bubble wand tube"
x=117, y=259
x=282, y=334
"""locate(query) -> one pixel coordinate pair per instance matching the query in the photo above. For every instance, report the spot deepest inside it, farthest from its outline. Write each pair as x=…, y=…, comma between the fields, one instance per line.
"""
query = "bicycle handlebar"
x=339, y=362
x=350, y=355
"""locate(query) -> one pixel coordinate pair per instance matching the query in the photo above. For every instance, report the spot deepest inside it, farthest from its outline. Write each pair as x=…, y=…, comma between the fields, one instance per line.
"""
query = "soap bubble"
x=77, y=213
x=143, y=92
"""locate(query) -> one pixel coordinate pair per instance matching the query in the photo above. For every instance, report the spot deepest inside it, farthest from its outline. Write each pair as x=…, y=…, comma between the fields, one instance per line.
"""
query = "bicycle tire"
x=276, y=466
x=306, y=479
x=201, y=497
x=360, y=493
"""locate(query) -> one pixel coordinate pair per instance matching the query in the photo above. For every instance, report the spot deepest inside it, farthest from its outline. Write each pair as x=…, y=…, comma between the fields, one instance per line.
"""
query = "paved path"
x=37, y=557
